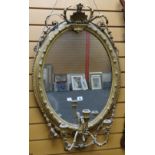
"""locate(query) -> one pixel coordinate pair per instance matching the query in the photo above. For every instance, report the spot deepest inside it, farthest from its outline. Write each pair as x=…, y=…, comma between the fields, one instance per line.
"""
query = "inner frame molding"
x=78, y=22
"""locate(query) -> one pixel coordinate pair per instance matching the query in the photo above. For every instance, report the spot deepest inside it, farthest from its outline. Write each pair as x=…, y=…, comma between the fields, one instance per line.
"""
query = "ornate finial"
x=81, y=17
x=79, y=7
x=78, y=16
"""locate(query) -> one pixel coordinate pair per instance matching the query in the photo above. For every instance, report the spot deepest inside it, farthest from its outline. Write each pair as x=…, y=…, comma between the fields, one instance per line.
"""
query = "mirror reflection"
x=77, y=75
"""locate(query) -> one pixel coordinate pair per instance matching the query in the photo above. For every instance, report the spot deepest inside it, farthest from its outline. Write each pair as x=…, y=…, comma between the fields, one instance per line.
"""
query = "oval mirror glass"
x=77, y=75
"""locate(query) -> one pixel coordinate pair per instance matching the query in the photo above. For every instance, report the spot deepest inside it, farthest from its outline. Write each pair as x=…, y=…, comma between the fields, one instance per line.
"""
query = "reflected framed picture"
x=60, y=83
x=48, y=77
x=107, y=80
x=78, y=82
x=96, y=82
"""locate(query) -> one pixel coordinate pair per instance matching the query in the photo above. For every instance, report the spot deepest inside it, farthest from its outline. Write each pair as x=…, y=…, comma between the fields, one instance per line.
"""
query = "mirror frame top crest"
x=78, y=22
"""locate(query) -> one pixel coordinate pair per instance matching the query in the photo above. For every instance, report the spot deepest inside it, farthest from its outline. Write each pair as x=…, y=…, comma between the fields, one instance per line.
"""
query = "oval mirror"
x=76, y=78
x=77, y=67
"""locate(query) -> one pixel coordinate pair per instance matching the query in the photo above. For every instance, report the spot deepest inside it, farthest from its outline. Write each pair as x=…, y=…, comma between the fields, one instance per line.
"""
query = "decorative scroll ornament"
x=84, y=133
x=78, y=17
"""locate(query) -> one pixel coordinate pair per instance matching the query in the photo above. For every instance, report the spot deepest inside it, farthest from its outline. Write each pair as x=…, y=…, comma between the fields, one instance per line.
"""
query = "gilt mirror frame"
x=78, y=22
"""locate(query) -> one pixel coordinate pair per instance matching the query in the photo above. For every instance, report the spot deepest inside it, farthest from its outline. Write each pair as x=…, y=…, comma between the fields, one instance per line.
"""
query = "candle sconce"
x=59, y=77
x=80, y=136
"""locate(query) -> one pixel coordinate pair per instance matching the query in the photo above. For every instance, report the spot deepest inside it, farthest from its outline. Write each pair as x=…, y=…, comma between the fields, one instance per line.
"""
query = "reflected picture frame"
x=96, y=82
x=48, y=77
x=78, y=82
x=60, y=83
